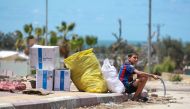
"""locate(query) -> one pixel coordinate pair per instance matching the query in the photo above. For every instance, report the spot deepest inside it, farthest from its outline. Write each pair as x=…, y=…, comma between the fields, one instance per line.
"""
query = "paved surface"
x=170, y=86
x=57, y=100
x=74, y=99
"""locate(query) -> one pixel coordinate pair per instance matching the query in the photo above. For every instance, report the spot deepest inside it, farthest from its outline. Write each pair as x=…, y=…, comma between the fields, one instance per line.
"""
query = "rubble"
x=36, y=92
x=12, y=85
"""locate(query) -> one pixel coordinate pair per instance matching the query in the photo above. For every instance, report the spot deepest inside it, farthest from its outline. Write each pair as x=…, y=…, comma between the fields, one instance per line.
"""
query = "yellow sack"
x=86, y=71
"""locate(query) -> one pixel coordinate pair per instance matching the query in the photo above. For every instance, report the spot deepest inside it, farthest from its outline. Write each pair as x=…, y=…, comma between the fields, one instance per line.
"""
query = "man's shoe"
x=143, y=99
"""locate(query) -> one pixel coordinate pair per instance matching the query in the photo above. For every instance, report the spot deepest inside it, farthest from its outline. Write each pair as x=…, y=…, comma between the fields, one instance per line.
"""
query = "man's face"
x=133, y=59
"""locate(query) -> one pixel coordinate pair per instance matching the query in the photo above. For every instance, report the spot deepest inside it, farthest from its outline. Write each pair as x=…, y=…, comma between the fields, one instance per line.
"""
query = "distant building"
x=13, y=63
x=186, y=70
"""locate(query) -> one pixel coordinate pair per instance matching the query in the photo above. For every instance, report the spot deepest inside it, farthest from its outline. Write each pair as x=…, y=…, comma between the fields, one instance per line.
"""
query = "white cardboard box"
x=44, y=79
x=62, y=80
x=44, y=57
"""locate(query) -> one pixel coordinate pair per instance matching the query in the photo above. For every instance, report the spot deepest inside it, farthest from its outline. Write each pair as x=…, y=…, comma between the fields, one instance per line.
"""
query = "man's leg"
x=139, y=83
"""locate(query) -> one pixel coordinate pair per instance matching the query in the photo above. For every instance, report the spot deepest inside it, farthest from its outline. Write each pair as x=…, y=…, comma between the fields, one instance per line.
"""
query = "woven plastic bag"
x=86, y=72
x=111, y=77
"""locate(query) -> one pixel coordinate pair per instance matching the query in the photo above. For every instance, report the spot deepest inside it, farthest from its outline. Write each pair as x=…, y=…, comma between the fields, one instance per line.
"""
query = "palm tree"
x=28, y=28
x=38, y=33
x=76, y=43
x=64, y=28
x=53, y=38
x=91, y=40
x=19, y=40
x=64, y=47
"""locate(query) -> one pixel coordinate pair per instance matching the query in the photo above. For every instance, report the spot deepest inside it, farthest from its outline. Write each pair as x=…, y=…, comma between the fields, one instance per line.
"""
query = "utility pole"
x=149, y=36
x=158, y=26
x=120, y=28
x=46, y=30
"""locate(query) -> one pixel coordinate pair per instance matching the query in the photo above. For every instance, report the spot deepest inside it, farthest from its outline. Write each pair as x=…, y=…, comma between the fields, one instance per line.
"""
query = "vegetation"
x=186, y=60
x=167, y=66
x=53, y=38
x=120, y=48
x=39, y=32
x=7, y=41
x=21, y=41
x=174, y=49
x=65, y=28
x=76, y=43
x=176, y=77
x=19, y=44
x=91, y=40
x=167, y=55
x=158, y=69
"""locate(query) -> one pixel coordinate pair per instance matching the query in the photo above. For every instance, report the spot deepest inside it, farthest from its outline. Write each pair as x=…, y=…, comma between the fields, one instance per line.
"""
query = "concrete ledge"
x=68, y=102
x=6, y=106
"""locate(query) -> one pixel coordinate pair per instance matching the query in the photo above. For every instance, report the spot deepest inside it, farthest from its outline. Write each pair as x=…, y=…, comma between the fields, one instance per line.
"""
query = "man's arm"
x=141, y=73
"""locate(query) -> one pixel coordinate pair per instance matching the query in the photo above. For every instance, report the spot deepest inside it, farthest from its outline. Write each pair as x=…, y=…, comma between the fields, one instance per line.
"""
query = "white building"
x=13, y=63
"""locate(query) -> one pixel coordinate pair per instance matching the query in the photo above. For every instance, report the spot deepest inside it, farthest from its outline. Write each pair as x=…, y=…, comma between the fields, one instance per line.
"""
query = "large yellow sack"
x=86, y=72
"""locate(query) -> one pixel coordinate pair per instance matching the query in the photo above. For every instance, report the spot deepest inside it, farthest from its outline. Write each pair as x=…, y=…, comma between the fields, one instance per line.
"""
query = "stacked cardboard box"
x=62, y=79
x=44, y=57
x=44, y=79
x=46, y=61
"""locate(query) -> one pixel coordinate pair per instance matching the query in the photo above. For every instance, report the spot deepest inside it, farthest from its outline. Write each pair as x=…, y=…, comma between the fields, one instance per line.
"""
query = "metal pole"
x=158, y=41
x=158, y=32
x=149, y=37
x=46, y=22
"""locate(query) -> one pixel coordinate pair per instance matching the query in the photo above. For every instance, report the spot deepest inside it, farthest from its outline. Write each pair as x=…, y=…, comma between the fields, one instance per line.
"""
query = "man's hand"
x=155, y=76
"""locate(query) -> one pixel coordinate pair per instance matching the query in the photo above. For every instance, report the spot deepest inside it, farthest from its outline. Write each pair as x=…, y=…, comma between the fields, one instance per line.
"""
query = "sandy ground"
x=173, y=100
x=177, y=96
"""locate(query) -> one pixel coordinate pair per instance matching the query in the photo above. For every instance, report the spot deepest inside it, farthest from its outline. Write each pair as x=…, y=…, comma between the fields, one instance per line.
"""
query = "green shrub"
x=146, y=69
x=168, y=65
x=33, y=72
x=176, y=77
x=157, y=69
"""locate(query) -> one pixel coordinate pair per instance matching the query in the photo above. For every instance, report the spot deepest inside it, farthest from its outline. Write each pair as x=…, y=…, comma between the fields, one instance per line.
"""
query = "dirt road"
x=173, y=100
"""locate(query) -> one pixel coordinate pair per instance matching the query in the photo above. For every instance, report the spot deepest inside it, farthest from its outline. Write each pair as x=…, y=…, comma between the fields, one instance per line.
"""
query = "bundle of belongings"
x=86, y=72
x=12, y=85
x=83, y=68
x=88, y=76
x=111, y=76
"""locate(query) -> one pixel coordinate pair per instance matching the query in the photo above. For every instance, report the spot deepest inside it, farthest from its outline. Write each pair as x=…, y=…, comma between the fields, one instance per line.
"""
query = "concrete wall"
x=14, y=68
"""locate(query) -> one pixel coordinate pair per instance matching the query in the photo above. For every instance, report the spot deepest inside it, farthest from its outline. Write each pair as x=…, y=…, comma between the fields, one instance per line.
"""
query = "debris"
x=154, y=95
x=36, y=92
x=12, y=85
x=162, y=99
x=152, y=90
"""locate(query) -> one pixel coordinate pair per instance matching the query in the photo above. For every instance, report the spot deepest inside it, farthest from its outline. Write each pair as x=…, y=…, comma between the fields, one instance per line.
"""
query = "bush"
x=176, y=77
x=157, y=69
x=168, y=65
x=33, y=72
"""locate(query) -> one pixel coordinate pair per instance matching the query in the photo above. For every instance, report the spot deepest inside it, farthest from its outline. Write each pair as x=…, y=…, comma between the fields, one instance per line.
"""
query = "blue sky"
x=100, y=17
